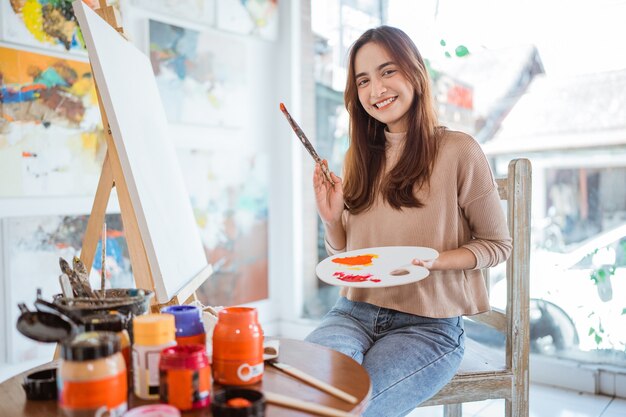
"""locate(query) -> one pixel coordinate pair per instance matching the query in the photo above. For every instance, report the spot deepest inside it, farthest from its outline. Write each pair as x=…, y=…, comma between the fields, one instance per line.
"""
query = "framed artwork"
x=199, y=11
x=32, y=247
x=229, y=196
x=51, y=140
x=257, y=18
x=201, y=76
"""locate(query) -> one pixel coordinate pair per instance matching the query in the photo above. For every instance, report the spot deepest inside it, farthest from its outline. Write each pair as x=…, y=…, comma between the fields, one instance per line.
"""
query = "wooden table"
x=322, y=363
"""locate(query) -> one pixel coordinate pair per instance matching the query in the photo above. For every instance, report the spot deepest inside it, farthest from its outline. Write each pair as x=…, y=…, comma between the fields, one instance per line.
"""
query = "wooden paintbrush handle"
x=288, y=369
x=294, y=403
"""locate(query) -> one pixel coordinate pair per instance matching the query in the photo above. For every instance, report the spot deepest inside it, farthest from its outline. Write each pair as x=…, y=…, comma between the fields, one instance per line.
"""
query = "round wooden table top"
x=322, y=363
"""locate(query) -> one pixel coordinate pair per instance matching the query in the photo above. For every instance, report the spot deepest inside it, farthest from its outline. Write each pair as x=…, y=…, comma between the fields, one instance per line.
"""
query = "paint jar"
x=237, y=347
x=238, y=402
x=153, y=333
x=112, y=322
x=185, y=377
x=91, y=378
x=189, y=327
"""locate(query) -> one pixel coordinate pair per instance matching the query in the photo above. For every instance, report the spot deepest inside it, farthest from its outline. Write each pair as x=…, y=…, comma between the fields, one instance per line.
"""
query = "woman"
x=407, y=182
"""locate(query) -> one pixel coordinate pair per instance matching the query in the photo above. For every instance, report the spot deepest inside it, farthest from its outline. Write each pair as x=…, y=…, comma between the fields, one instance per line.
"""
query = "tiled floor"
x=545, y=401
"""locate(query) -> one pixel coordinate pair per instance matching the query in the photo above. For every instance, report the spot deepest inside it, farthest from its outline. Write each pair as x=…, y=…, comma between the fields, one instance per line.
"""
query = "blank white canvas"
x=139, y=127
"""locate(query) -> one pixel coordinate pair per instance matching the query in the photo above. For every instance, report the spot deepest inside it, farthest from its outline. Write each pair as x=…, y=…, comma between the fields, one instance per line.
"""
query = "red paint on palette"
x=354, y=278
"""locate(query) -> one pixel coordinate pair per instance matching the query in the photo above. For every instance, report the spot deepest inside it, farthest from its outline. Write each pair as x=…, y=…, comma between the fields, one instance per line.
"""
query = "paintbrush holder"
x=129, y=302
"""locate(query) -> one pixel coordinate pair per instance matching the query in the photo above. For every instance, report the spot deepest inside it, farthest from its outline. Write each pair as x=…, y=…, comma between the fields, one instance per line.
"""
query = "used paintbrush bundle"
x=78, y=277
x=128, y=301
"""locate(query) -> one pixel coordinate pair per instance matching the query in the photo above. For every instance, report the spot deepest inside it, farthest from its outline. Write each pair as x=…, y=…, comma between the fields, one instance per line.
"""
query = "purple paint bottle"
x=189, y=326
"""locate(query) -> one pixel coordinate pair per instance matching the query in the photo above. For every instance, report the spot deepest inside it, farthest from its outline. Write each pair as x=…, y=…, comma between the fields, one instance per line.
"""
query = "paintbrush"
x=300, y=134
x=270, y=356
x=103, y=270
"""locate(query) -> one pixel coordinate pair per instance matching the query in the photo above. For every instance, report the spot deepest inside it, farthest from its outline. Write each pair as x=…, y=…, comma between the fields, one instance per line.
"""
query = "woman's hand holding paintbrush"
x=329, y=198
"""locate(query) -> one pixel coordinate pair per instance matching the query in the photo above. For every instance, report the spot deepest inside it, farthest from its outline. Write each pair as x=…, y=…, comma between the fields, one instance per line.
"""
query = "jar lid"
x=187, y=318
x=154, y=329
x=41, y=385
x=45, y=326
x=91, y=345
x=112, y=322
x=184, y=357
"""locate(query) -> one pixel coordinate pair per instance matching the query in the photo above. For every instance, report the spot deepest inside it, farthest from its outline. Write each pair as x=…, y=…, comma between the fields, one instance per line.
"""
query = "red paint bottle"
x=185, y=377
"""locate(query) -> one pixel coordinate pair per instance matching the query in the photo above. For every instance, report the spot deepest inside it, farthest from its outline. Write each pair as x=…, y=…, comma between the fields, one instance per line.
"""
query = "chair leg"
x=453, y=410
x=517, y=406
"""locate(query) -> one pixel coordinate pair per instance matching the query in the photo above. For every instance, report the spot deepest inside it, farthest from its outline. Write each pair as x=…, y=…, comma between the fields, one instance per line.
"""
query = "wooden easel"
x=113, y=176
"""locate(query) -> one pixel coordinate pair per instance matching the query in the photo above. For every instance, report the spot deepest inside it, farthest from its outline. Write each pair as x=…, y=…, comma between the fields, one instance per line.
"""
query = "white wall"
x=273, y=76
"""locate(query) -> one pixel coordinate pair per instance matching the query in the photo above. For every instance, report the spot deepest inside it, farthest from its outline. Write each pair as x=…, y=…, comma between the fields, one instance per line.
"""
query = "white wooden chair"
x=485, y=374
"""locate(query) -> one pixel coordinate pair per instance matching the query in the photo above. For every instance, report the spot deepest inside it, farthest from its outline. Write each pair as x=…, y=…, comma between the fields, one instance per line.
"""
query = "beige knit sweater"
x=462, y=209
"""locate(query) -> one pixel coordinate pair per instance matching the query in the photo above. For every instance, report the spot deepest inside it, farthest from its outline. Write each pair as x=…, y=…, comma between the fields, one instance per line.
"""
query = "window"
x=504, y=75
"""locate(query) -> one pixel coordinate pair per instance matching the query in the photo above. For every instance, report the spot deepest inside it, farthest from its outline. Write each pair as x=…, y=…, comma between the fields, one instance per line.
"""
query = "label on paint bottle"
x=246, y=372
x=83, y=396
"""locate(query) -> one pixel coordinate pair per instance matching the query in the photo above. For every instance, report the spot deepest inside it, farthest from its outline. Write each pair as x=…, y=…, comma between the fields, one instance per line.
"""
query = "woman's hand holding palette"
x=375, y=267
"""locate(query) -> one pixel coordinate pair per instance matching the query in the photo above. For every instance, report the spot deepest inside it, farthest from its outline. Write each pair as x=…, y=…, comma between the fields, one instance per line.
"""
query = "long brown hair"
x=365, y=157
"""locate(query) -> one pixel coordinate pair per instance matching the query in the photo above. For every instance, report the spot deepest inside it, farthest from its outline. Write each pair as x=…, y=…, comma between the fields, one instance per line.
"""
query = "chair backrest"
x=514, y=322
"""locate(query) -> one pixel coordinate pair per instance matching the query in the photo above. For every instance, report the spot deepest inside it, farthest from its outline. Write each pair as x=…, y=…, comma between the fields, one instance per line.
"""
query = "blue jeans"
x=409, y=358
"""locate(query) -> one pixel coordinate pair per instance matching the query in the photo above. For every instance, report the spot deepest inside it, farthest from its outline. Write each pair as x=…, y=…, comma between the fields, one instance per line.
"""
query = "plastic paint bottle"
x=237, y=347
x=189, y=326
x=152, y=333
x=185, y=377
x=92, y=376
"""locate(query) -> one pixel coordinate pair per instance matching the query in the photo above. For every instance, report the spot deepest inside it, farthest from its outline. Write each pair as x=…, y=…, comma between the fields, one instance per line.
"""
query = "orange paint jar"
x=237, y=347
x=92, y=376
x=185, y=377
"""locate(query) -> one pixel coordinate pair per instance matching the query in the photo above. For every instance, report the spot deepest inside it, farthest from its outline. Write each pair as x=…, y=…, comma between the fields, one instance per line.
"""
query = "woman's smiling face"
x=384, y=92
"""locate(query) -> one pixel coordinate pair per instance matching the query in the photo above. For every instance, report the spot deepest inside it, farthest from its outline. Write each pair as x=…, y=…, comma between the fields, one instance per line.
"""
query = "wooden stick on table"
x=322, y=410
x=296, y=373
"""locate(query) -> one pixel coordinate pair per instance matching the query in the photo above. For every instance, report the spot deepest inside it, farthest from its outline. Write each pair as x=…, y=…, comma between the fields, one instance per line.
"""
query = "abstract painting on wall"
x=201, y=76
x=32, y=247
x=200, y=11
x=229, y=196
x=42, y=23
x=51, y=140
x=250, y=17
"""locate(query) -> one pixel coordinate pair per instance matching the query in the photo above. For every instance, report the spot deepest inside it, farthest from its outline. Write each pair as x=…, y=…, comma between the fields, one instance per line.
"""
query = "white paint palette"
x=387, y=266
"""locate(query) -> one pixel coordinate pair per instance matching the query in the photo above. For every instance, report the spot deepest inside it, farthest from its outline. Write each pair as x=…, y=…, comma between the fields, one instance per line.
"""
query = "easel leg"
x=98, y=210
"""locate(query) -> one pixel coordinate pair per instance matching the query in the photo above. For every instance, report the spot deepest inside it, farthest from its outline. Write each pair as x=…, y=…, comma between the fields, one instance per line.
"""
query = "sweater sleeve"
x=329, y=249
x=480, y=203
